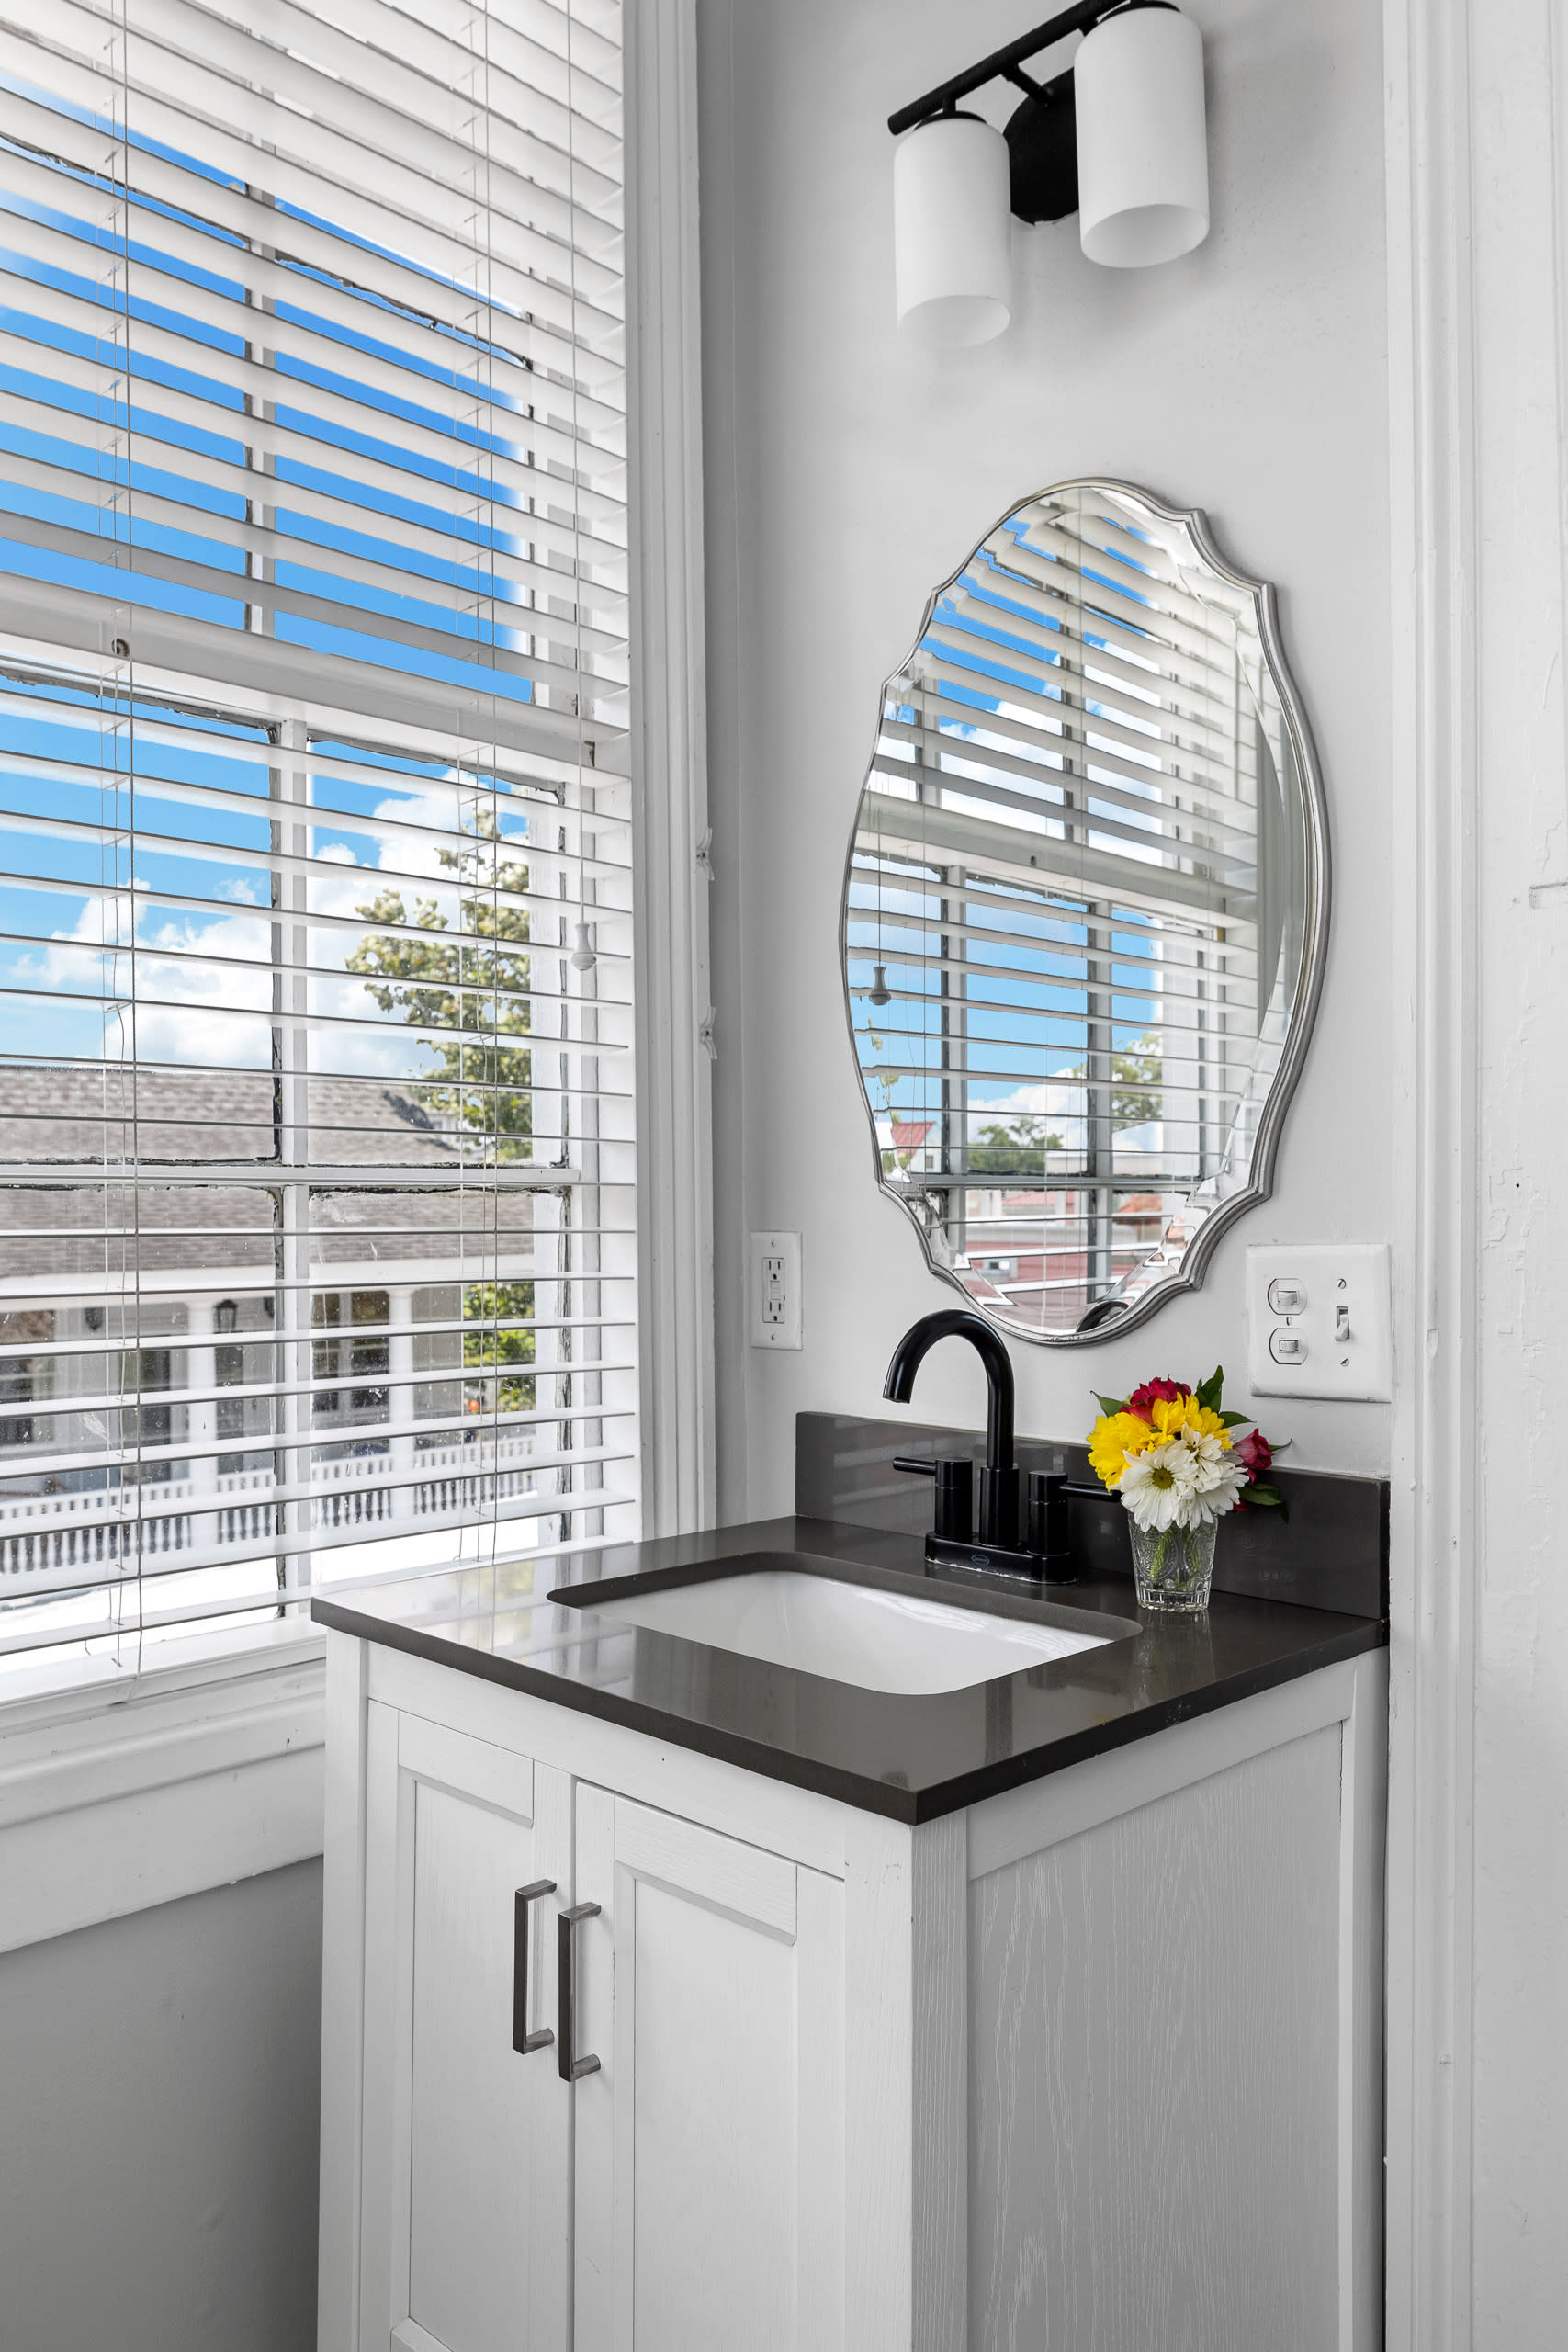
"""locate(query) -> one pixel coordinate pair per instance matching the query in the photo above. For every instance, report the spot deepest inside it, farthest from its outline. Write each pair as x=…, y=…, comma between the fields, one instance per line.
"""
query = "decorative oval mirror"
x=1086, y=911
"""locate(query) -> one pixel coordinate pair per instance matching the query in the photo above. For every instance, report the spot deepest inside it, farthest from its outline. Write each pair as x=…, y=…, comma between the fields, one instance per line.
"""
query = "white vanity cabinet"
x=465, y=2217
x=688, y=2190
x=708, y=2169
x=1089, y=2067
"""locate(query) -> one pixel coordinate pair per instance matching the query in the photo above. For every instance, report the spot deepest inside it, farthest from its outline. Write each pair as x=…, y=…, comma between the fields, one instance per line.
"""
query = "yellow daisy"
x=1112, y=1443
x=1175, y=1413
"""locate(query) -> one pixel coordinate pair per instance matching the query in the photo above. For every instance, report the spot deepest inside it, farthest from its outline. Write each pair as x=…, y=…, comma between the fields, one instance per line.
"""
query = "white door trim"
x=1433, y=1070
x=671, y=877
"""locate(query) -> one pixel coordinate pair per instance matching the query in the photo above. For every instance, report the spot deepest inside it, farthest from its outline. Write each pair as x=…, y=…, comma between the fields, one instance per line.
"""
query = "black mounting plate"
x=1043, y=151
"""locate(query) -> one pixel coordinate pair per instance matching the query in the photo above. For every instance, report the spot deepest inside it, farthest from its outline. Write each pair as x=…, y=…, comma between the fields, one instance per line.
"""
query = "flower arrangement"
x=1168, y=1450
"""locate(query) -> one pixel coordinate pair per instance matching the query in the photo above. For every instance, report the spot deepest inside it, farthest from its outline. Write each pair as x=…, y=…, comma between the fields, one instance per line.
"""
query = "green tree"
x=472, y=982
x=1017, y=1147
x=1014, y=1148
x=1138, y=1075
x=487, y=1349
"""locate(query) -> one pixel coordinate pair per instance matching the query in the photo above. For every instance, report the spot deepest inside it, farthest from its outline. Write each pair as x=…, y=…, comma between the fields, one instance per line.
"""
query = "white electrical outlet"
x=776, y=1290
x=1319, y=1320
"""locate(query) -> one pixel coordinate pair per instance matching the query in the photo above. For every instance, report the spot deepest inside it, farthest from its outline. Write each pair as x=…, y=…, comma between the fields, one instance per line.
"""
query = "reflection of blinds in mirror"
x=1075, y=892
x=318, y=1224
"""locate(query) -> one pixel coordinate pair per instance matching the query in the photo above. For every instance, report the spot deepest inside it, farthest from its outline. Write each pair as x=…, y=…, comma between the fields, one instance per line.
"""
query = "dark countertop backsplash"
x=1332, y=1554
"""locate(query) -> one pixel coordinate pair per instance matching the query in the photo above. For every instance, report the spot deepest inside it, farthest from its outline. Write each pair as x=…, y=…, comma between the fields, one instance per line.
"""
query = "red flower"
x=1155, y=1392
x=1254, y=1453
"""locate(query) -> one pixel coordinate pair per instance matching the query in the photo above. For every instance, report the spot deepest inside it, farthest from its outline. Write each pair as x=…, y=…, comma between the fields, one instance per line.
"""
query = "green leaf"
x=1271, y=1497
x=1234, y=1420
x=1208, y=1390
x=1111, y=1405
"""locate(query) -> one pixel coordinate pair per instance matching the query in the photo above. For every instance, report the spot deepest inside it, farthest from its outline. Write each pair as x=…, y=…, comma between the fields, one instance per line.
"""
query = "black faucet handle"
x=955, y=1493
x=998, y=1506
x=1047, y=1510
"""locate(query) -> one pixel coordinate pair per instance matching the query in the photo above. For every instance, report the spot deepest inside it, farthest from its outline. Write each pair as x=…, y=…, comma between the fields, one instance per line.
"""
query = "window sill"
x=114, y=1798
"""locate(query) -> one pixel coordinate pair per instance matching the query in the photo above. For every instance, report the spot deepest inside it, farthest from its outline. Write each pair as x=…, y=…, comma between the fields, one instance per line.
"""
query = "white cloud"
x=1061, y=1096
x=204, y=985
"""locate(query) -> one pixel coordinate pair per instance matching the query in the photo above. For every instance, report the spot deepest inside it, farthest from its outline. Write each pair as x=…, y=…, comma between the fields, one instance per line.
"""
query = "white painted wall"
x=847, y=473
x=159, y=2090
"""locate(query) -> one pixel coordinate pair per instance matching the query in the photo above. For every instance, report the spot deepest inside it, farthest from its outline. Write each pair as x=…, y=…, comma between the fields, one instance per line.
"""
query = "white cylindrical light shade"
x=1143, y=154
x=951, y=232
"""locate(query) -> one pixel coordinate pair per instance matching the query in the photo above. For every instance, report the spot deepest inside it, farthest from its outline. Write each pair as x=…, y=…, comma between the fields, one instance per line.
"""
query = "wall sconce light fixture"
x=1118, y=137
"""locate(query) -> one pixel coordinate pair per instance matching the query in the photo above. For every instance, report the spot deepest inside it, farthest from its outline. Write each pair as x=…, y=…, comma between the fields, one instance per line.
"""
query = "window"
x=317, y=1231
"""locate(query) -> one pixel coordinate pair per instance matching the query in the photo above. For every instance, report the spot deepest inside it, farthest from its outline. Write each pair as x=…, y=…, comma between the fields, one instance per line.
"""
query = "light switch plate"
x=1319, y=1320
x=776, y=1290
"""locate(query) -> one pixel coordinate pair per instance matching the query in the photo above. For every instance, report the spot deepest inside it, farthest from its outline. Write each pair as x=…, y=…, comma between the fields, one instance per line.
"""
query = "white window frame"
x=207, y=1767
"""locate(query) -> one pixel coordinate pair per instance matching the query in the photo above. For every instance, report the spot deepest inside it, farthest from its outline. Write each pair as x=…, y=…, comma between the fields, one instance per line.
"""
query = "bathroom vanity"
x=695, y=2001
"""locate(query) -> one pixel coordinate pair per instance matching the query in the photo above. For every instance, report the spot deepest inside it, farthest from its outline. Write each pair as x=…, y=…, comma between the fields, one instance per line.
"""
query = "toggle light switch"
x=1319, y=1320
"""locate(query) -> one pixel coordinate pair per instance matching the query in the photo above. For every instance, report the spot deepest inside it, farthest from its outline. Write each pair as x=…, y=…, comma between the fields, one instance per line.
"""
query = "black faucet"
x=995, y=1544
x=999, y=1479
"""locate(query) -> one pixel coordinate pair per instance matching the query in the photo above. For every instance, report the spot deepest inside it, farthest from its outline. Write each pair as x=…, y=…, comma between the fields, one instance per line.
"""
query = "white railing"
x=79, y=1538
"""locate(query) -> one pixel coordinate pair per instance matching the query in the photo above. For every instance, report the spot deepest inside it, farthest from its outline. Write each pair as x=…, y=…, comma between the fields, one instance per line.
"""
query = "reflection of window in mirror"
x=1084, y=911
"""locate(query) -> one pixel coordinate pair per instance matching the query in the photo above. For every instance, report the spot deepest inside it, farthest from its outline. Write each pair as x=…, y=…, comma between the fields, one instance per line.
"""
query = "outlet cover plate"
x=1304, y=1297
x=776, y=1290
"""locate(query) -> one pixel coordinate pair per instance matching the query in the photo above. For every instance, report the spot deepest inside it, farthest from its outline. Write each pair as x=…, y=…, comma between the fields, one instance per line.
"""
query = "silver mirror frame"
x=1194, y=523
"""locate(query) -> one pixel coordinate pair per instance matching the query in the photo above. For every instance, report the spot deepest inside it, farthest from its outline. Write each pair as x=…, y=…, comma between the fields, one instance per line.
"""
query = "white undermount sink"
x=850, y=1632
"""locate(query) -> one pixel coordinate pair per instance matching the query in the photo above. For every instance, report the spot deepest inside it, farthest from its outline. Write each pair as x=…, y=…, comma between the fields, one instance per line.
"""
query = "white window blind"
x=317, y=1229
x=1073, y=927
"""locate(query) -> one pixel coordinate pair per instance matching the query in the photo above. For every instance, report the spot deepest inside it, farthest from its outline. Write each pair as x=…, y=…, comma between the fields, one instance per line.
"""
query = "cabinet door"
x=709, y=2156
x=465, y=2234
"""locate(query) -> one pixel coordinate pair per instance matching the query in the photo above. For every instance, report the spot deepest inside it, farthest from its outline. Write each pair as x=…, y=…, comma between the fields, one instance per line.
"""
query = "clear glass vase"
x=1174, y=1569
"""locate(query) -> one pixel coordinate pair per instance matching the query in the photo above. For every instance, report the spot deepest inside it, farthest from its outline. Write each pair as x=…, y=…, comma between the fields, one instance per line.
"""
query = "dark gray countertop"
x=911, y=1758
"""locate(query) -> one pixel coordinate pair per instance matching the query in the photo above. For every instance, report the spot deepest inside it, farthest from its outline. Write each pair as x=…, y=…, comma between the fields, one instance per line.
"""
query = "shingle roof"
x=74, y=1115
x=55, y=1118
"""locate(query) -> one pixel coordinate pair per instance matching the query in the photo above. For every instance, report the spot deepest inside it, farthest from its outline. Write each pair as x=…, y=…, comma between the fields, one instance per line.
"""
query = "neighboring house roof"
x=185, y=1117
x=183, y=1122
x=909, y=1133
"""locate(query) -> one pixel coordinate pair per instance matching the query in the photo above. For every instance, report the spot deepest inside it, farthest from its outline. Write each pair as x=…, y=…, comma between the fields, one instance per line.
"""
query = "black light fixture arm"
x=1042, y=136
x=1002, y=63
x=999, y=65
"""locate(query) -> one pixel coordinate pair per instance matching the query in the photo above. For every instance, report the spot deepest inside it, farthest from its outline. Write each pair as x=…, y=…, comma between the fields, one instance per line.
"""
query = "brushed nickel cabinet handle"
x=571, y=2068
x=523, y=2042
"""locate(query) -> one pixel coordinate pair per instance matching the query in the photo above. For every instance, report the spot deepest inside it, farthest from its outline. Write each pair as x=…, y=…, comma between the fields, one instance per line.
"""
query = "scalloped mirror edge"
x=1248, y=601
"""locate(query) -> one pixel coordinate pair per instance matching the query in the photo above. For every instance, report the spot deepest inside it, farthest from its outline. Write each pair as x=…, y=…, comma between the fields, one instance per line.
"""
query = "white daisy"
x=1158, y=1487
x=1219, y=1479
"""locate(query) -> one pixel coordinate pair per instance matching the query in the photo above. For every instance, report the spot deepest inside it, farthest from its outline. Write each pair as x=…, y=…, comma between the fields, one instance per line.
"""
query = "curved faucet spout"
x=953, y=1323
